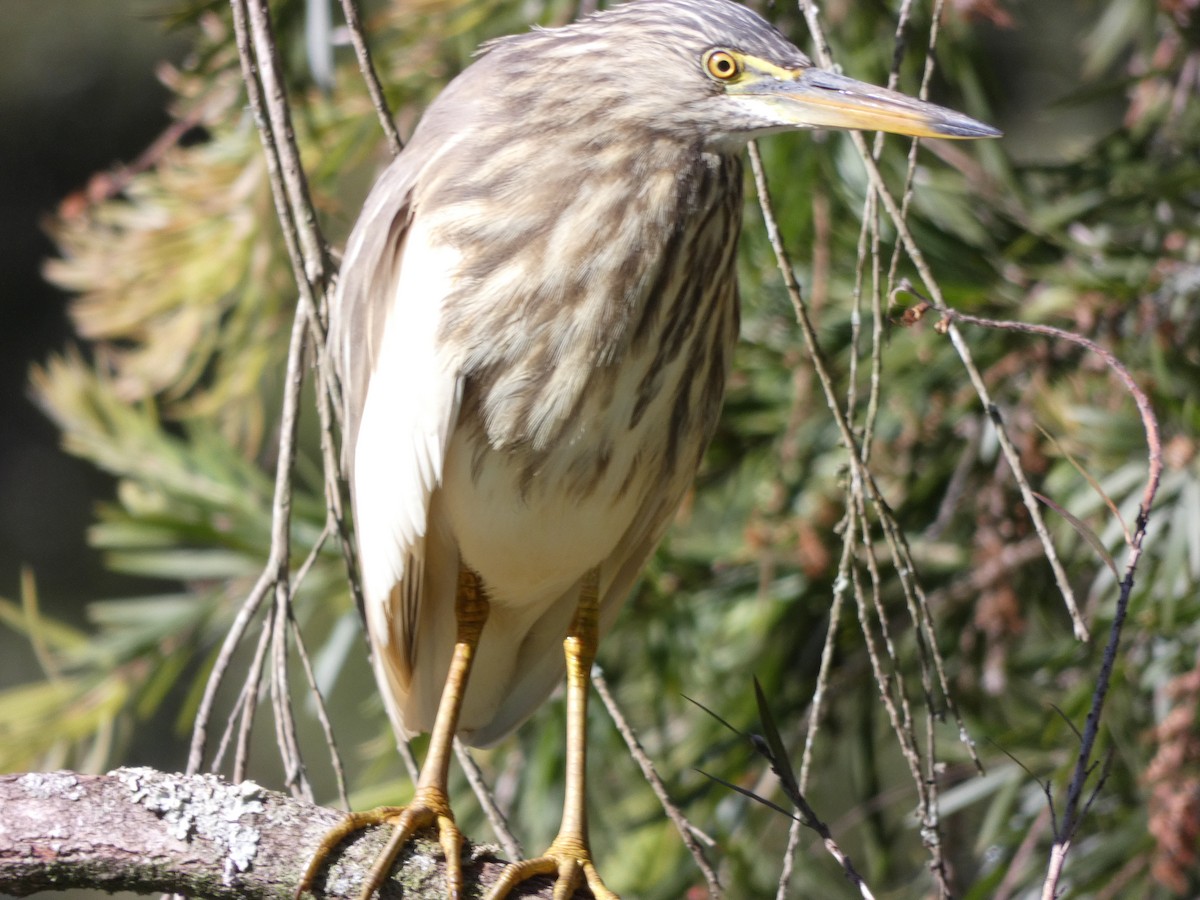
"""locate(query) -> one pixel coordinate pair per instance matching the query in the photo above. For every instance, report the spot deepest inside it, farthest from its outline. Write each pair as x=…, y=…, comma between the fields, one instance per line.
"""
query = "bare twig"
x=261, y=73
x=897, y=545
x=817, y=707
x=335, y=757
x=495, y=816
x=363, y=52
x=301, y=213
x=281, y=524
x=960, y=346
x=1145, y=410
x=248, y=705
x=271, y=153
x=233, y=638
x=1065, y=831
x=687, y=831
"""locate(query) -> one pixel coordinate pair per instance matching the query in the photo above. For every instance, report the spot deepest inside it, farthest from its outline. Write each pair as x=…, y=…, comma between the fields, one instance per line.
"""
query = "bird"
x=532, y=329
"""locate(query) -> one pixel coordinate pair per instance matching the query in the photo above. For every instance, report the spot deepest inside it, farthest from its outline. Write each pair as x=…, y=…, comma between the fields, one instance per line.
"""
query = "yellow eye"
x=722, y=66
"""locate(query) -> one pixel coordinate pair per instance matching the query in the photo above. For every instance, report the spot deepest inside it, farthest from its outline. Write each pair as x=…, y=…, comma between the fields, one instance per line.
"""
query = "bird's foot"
x=429, y=808
x=568, y=859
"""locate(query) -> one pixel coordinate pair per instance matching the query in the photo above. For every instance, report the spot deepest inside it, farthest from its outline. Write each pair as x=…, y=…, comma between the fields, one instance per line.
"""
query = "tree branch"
x=150, y=832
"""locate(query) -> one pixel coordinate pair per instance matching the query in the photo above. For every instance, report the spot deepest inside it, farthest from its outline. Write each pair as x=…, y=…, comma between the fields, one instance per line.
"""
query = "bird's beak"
x=814, y=98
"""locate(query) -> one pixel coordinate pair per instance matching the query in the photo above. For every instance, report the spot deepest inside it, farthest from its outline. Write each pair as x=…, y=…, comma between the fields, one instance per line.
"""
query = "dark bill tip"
x=966, y=127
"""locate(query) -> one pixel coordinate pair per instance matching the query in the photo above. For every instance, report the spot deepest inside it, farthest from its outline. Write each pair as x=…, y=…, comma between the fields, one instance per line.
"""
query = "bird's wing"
x=400, y=401
x=366, y=293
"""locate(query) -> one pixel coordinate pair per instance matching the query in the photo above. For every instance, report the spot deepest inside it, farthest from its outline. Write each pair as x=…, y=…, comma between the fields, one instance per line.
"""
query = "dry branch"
x=150, y=832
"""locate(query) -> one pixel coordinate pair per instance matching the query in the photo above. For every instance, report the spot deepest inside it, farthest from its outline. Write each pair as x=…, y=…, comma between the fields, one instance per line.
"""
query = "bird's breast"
x=604, y=412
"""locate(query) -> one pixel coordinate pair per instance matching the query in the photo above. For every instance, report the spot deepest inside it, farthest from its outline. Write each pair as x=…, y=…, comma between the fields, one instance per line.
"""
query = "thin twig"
x=1140, y=398
x=495, y=816
x=329, y=406
x=363, y=52
x=281, y=522
x=300, y=207
x=1065, y=831
x=817, y=706
x=286, y=739
x=262, y=75
x=271, y=155
x=858, y=470
x=335, y=758
x=686, y=830
x=964, y=353
x=266, y=580
x=823, y=673
x=789, y=859
x=770, y=746
x=248, y=706
x=237, y=631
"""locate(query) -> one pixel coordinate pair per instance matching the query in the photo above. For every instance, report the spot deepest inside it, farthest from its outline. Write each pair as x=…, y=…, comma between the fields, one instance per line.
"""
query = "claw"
x=428, y=809
x=568, y=859
x=350, y=823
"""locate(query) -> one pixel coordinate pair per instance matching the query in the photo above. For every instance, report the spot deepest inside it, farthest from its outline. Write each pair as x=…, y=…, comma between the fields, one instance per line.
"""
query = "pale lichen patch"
x=45, y=785
x=205, y=807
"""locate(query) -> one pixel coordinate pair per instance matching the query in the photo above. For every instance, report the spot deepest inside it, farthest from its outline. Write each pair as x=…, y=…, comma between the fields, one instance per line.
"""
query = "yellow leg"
x=569, y=856
x=430, y=805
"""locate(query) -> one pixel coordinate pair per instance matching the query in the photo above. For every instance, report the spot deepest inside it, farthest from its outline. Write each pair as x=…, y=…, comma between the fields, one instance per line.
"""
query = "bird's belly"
x=532, y=523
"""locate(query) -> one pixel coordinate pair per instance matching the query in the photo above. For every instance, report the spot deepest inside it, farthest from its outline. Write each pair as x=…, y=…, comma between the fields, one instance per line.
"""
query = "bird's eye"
x=722, y=65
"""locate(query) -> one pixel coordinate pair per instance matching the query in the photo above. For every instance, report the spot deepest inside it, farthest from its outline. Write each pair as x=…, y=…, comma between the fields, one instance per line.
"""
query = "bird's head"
x=717, y=69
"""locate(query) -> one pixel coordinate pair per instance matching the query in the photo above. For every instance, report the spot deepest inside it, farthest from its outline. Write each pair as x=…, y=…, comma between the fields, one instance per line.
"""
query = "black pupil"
x=723, y=66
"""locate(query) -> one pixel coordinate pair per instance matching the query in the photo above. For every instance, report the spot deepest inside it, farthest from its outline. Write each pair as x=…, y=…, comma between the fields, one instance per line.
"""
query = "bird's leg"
x=430, y=804
x=569, y=856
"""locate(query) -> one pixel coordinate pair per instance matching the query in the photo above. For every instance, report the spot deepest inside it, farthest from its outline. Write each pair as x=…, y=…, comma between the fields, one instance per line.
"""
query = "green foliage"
x=185, y=301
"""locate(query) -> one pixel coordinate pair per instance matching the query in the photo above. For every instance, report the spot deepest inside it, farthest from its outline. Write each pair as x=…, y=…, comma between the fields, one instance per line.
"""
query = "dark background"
x=78, y=95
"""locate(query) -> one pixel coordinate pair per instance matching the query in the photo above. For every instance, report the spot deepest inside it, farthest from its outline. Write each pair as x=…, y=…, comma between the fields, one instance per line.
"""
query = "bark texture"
x=147, y=831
